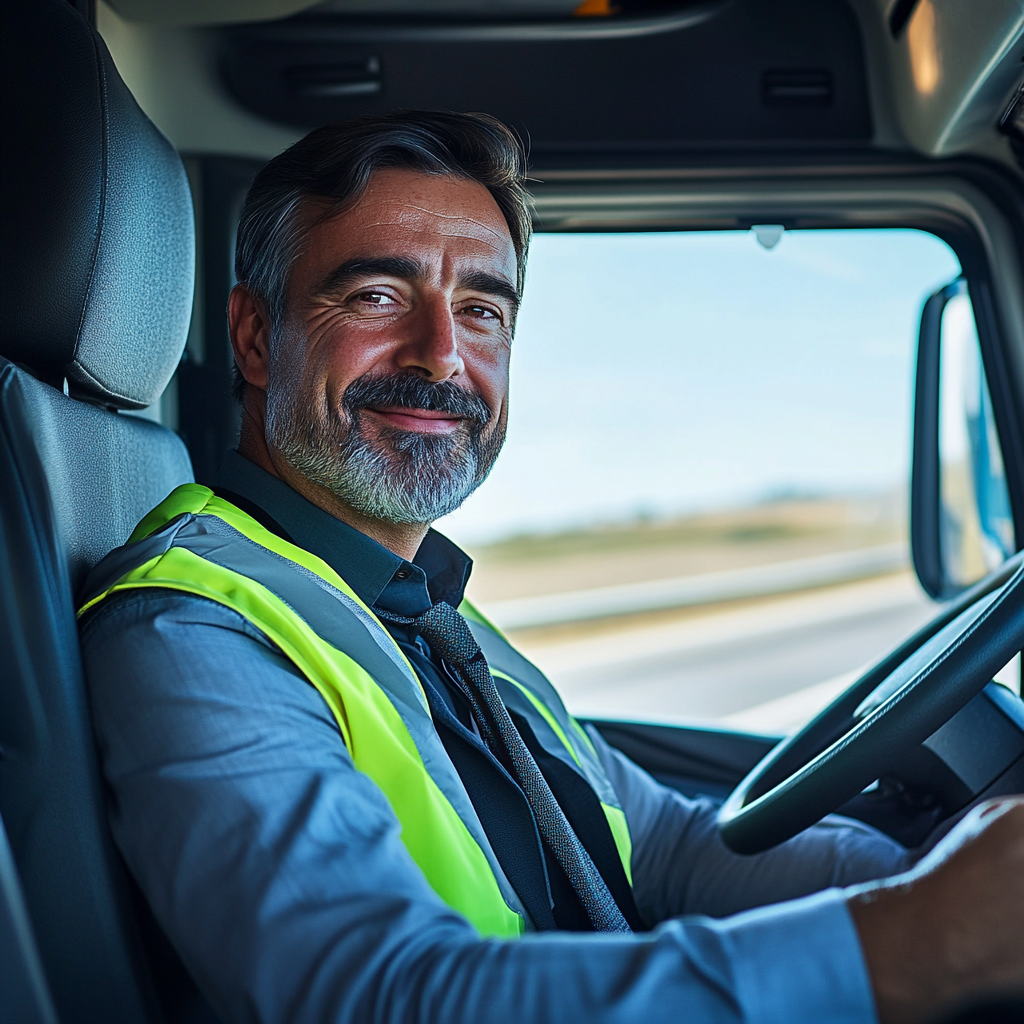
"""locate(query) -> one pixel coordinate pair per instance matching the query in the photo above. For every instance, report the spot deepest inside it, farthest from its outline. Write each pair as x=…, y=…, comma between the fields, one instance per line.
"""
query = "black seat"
x=98, y=257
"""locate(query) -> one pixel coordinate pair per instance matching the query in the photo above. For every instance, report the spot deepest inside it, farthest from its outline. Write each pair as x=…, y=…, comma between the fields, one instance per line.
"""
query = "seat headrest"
x=98, y=246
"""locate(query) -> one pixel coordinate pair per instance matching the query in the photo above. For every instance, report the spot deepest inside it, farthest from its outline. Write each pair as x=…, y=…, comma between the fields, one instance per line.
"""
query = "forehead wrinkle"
x=448, y=225
x=458, y=216
x=380, y=209
x=402, y=209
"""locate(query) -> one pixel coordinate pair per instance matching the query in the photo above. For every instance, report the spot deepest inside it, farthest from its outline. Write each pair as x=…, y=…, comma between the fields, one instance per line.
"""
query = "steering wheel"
x=895, y=705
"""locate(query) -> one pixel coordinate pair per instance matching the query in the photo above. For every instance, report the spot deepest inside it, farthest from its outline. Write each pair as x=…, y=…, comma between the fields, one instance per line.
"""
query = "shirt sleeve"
x=278, y=872
x=681, y=866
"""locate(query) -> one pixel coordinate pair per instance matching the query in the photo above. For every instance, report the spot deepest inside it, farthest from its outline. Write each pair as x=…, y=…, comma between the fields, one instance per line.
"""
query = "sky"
x=660, y=374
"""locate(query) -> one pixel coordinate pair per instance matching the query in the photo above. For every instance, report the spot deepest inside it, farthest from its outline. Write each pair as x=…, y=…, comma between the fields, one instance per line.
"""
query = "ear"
x=250, y=336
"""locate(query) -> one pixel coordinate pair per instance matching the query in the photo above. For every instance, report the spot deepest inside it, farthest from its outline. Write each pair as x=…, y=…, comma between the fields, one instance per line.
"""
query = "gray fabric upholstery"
x=103, y=471
x=99, y=245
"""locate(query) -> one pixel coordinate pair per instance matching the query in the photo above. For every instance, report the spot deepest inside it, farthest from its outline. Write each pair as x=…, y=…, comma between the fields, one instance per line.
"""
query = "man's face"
x=389, y=376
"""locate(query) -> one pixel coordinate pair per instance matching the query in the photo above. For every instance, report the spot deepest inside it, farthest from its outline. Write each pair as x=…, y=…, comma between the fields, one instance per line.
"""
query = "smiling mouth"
x=422, y=421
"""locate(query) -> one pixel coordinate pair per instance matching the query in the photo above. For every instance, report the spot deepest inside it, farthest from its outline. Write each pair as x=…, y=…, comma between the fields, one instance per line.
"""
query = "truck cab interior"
x=130, y=132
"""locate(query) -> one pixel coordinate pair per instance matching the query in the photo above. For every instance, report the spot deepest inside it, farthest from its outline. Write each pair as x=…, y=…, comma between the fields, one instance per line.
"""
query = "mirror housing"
x=961, y=525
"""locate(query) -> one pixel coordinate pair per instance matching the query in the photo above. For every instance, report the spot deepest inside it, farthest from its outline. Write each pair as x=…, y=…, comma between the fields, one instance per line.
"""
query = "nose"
x=431, y=347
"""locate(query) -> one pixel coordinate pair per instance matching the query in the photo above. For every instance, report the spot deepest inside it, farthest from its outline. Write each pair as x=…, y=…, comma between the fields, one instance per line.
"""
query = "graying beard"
x=422, y=477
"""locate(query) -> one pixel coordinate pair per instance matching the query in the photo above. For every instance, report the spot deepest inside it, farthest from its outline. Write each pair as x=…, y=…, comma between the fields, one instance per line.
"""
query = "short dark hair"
x=332, y=167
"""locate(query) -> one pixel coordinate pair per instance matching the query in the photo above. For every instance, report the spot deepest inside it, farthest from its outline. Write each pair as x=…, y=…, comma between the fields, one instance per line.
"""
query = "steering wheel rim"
x=837, y=754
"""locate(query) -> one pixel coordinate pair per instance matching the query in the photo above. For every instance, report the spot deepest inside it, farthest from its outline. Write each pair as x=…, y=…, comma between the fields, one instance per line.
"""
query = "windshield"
x=701, y=510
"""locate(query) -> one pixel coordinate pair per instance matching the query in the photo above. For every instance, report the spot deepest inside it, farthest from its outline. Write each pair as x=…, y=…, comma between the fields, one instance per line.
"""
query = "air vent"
x=796, y=88
x=358, y=77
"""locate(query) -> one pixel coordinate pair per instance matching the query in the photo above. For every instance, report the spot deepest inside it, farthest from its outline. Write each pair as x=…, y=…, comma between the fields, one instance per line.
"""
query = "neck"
x=403, y=539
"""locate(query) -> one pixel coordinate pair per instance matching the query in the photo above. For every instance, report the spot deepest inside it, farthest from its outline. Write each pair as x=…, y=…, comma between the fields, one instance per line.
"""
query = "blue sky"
x=667, y=373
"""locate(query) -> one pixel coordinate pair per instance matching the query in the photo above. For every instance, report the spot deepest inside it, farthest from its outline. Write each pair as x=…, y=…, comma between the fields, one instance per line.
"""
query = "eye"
x=379, y=299
x=481, y=312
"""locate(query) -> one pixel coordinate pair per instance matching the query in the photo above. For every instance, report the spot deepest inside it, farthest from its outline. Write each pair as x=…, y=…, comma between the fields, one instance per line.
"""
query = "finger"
x=975, y=822
x=989, y=810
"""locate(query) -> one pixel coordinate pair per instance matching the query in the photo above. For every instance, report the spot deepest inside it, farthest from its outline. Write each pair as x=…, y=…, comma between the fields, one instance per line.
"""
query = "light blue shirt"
x=278, y=872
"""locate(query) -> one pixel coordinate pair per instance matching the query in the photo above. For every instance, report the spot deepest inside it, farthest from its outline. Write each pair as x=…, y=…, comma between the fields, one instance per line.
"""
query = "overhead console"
x=642, y=75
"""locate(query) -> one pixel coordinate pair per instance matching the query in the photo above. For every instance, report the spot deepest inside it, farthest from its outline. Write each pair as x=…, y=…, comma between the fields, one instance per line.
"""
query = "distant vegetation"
x=848, y=521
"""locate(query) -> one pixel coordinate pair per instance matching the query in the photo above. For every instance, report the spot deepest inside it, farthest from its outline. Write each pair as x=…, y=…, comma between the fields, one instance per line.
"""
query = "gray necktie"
x=450, y=639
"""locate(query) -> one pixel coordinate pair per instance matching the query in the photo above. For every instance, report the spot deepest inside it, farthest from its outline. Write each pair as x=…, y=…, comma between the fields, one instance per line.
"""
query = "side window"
x=976, y=527
x=701, y=512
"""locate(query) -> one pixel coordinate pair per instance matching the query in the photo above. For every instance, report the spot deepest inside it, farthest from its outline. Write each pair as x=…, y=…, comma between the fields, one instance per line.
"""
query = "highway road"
x=765, y=667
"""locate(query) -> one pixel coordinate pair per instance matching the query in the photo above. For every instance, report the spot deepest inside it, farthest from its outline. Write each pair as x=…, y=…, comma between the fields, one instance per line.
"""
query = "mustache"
x=409, y=391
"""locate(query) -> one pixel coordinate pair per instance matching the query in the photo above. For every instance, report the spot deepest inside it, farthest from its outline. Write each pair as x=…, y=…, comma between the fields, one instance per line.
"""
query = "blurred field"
x=641, y=550
x=763, y=664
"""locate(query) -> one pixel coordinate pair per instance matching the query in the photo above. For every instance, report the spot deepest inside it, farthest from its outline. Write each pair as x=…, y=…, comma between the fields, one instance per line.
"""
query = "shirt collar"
x=379, y=577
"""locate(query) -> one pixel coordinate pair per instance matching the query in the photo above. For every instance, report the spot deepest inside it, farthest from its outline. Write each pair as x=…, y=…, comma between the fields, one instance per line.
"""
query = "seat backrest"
x=97, y=264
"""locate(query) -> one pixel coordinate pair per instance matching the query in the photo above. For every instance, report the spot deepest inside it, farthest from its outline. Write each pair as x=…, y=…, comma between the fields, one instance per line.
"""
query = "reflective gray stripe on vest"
x=503, y=657
x=337, y=619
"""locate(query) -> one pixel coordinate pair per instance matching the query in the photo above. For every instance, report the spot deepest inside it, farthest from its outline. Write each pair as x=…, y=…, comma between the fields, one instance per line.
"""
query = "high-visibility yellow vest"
x=201, y=544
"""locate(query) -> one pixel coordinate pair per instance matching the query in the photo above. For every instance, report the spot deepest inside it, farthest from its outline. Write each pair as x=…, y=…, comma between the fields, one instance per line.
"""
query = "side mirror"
x=961, y=525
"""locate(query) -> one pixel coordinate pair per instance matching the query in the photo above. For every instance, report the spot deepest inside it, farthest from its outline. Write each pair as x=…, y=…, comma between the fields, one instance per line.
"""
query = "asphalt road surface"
x=762, y=668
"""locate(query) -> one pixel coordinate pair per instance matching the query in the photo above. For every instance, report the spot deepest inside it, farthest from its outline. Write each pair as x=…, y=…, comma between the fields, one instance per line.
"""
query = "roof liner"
x=207, y=12
x=974, y=52
x=747, y=73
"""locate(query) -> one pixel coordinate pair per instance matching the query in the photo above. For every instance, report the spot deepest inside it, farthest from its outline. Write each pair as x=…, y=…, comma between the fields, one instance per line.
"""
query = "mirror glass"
x=976, y=525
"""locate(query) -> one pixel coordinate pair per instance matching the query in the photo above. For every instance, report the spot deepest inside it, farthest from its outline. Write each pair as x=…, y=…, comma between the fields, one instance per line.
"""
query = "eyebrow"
x=370, y=266
x=490, y=284
x=402, y=267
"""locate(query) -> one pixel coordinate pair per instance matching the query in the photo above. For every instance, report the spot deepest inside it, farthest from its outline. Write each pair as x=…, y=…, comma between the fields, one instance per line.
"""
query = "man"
x=347, y=800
